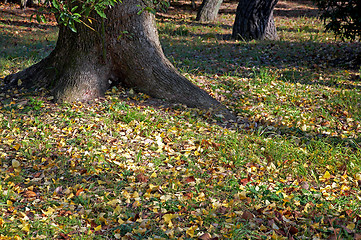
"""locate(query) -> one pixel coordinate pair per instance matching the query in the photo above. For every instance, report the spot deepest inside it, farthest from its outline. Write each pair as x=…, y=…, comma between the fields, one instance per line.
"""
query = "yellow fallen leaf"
x=325, y=176
x=154, y=175
x=201, y=197
x=15, y=163
x=351, y=226
x=241, y=195
x=168, y=217
x=26, y=227
x=120, y=221
x=190, y=231
x=98, y=228
x=307, y=207
x=103, y=220
x=17, y=146
x=1, y=222
x=117, y=210
x=153, y=187
x=113, y=202
x=49, y=211
x=140, y=231
x=358, y=176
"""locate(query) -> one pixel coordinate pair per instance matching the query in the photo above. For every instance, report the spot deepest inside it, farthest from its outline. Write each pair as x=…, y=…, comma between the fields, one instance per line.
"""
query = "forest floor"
x=126, y=168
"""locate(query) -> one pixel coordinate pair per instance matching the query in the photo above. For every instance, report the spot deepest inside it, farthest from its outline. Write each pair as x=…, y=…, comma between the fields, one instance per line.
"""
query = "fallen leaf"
x=190, y=179
x=141, y=178
x=205, y=236
x=247, y=215
x=30, y=194
x=15, y=163
x=79, y=191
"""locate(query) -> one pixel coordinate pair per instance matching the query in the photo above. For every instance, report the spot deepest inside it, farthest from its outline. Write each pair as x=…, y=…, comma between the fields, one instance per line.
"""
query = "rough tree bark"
x=254, y=20
x=208, y=11
x=124, y=49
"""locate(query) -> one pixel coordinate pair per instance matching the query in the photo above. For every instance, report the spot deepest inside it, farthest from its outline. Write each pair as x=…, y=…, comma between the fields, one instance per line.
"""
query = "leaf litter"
x=126, y=168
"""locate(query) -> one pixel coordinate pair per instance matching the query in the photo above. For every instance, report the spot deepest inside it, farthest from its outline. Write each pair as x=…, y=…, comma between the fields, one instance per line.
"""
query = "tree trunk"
x=208, y=11
x=124, y=49
x=254, y=20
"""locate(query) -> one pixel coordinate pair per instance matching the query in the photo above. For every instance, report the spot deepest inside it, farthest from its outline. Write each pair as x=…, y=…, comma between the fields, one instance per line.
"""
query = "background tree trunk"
x=125, y=49
x=254, y=20
x=208, y=11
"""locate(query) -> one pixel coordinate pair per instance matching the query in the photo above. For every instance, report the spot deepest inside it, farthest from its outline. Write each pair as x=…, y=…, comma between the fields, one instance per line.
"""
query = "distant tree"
x=343, y=17
x=254, y=20
x=208, y=11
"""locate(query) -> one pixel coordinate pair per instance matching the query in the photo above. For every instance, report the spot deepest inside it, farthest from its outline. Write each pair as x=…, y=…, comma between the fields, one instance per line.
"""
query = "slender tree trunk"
x=254, y=20
x=125, y=49
x=208, y=11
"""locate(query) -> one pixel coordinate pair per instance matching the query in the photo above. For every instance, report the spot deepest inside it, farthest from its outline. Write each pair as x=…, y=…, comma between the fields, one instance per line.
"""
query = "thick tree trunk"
x=124, y=49
x=208, y=11
x=254, y=20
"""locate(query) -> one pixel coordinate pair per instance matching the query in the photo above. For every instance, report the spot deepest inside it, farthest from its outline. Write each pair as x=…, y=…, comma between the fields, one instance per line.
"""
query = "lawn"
x=132, y=167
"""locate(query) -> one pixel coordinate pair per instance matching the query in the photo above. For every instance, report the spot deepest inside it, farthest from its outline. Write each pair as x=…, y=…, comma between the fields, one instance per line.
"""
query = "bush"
x=343, y=17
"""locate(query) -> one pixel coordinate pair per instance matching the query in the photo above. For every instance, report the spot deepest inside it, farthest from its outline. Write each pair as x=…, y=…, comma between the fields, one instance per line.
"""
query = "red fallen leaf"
x=30, y=194
x=325, y=123
x=188, y=195
x=244, y=181
x=190, y=179
x=293, y=230
x=247, y=215
x=349, y=213
x=83, y=171
x=80, y=190
x=63, y=236
x=141, y=178
x=37, y=174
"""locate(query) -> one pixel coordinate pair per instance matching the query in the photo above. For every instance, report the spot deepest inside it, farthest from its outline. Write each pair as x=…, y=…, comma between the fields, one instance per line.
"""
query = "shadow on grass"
x=16, y=46
x=301, y=62
x=18, y=23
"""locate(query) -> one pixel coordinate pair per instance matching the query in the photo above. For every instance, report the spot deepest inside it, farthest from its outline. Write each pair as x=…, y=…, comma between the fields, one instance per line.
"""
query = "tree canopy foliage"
x=343, y=17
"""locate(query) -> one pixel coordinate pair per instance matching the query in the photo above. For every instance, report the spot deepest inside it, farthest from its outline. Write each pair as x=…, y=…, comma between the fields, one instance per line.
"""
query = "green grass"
x=118, y=167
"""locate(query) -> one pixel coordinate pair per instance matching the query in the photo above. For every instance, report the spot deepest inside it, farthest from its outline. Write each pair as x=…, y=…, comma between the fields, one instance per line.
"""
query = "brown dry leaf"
x=36, y=175
x=30, y=194
x=357, y=236
x=293, y=230
x=141, y=178
x=190, y=179
x=247, y=215
x=205, y=236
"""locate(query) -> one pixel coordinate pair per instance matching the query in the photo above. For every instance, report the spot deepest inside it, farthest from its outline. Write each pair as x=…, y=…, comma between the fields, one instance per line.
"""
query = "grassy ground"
x=123, y=168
